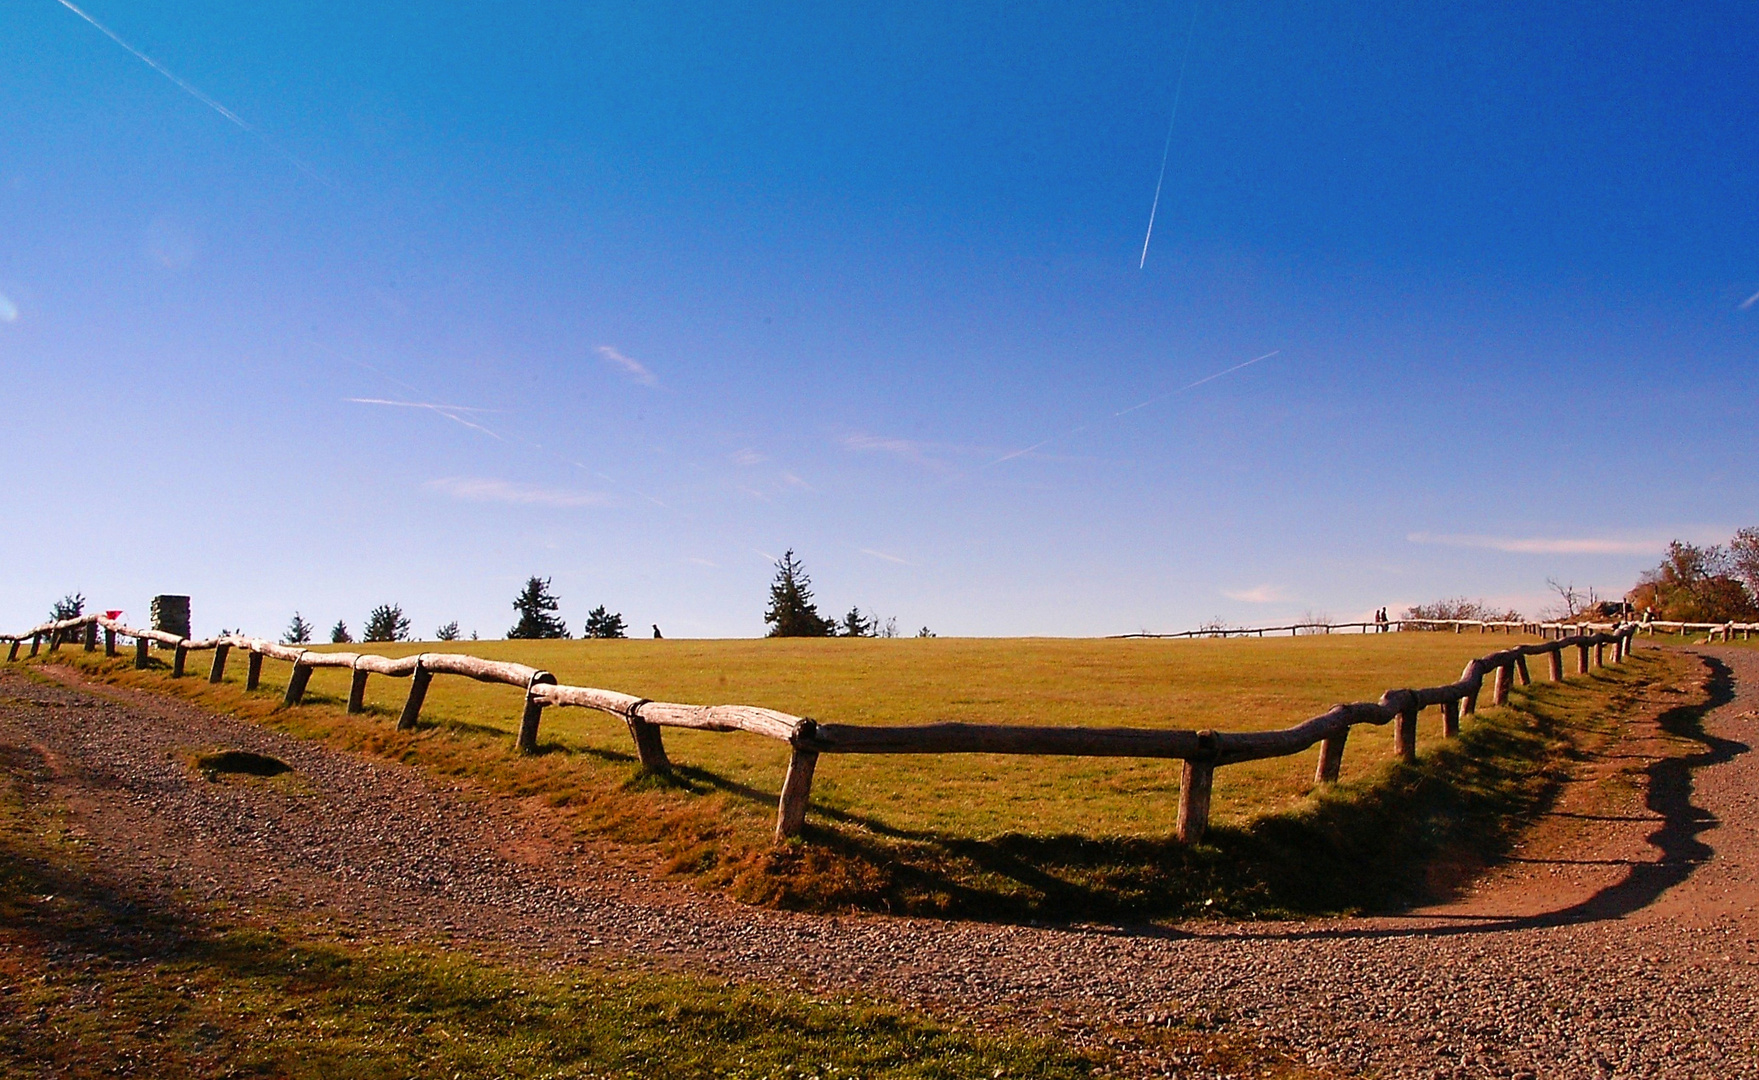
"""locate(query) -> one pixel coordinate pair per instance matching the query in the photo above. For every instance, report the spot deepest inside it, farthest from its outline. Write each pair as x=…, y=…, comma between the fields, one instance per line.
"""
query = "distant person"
x=657, y=634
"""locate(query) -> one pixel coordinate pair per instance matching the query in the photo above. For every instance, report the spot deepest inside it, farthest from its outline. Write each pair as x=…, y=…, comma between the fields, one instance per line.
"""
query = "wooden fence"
x=1202, y=751
x=1725, y=631
x=1458, y=626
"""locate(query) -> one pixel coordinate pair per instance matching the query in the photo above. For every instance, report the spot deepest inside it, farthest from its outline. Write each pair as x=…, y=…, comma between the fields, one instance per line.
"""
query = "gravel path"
x=1620, y=944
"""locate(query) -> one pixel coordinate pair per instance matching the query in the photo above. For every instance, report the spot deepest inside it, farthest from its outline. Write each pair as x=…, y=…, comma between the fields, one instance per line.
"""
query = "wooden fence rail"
x=1201, y=751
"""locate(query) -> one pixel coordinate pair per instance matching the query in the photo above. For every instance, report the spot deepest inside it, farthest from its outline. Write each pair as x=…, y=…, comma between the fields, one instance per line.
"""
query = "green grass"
x=982, y=835
x=1227, y=685
x=96, y=982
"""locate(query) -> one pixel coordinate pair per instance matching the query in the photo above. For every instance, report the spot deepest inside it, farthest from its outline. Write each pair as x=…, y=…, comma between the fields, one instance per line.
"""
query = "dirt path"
x=1622, y=941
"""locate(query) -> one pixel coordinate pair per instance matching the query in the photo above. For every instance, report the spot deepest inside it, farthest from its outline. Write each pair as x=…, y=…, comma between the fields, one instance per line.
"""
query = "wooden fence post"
x=109, y=642
x=36, y=640
x=91, y=637
x=796, y=788
x=254, y=673
x=218, y=671
x=1450, y=719
x=418, y=692
x=1521, y=669
x=357, y=691
x=12, y=653
x=650, y=745
x=1499, y=694
x=140, y=653
x=1405, y=734
x=534, y=712
x=1582, y=658
x=1599, y=654
x=1331, y=758
x=1196, y=782
x=55, y=641
x=296, y=683
x=1554, y=658
x=177, y=661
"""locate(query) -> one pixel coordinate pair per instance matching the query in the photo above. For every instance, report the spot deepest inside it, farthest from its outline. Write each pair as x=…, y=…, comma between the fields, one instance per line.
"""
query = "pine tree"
x=71, y=606
x=856, y=624
x=339, y=634
x=298, y=632
x=792, y=612
x=603, y=624
x=535, y=605
x=449, y=632
x=386, y=623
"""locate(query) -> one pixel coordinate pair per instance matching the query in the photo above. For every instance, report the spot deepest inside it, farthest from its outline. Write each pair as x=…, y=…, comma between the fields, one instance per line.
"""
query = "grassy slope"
x=1004, y=837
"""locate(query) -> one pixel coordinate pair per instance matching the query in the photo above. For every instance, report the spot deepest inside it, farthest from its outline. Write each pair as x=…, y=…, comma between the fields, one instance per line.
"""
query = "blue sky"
x=698, y=285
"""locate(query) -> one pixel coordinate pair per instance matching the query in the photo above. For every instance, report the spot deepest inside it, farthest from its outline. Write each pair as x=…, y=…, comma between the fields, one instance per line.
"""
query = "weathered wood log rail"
x=1201, y=751
x=1458, y=626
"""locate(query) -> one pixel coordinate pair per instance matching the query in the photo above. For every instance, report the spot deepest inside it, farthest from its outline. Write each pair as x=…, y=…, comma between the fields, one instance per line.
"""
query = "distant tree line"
x=792, y=612
x=1713, y=583
x=537, y=606
x=1460, y=607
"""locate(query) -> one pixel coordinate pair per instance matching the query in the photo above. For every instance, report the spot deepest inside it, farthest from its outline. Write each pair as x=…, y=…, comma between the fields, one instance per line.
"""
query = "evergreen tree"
x=449, y=632
x=298, y=632
x=855, y=624
x=603, y=624
x=71, y=606
x=339, y=634
x=792, y=612
x=386, y=623
x=536, y=607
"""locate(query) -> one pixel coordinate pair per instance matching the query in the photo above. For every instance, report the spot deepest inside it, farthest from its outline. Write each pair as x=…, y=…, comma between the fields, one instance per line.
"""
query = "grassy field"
x=1238, y=685
x=945, y=834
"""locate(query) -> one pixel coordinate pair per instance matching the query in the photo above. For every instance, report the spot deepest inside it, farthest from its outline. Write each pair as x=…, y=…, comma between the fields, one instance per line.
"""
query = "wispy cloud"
x=700, y=562
x=1543, y=545
x=506, y=491
x=8, y=309
x=748, y=457
x=450, y=412
x=916, y=453
x=1750, y=301
x=632, y=367
x=1258, y=594
x=887, y=558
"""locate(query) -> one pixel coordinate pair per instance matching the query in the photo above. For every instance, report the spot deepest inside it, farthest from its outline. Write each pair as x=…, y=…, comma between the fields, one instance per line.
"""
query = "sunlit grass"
x=1236, y=685
x=951, y=833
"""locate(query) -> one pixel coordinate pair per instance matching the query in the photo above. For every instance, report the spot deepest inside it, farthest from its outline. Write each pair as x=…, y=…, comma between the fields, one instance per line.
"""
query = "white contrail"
x=1165, y=150
x=418, y=405
x=1199, y=382
x=1750, y=301
x=1140, y=405
x=197, y=94
x=450, y=412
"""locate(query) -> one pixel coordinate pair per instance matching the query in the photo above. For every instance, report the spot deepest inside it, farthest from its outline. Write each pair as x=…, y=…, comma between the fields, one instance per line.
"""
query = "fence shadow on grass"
x=1375, y=844
x=1680, y=851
